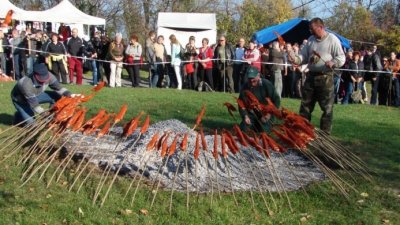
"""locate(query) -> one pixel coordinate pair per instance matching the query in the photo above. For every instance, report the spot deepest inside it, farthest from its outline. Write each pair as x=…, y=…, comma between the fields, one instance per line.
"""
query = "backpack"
x=182, y=53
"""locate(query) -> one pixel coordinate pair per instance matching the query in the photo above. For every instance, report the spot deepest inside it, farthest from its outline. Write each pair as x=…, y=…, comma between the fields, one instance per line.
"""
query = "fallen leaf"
x=364, y=194
x=31, y=189
x=270, y=212
x=125, y=212
x=80, y=211
x=303, y=219
x=48, y=196
x=44, y=206
x=385, y=221
x=144, y=212
x=258, y=217
x=19, y=209
x=360, y=201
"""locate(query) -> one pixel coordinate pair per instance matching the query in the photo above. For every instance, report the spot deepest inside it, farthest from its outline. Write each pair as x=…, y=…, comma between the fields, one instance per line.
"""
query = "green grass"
x=371, y=132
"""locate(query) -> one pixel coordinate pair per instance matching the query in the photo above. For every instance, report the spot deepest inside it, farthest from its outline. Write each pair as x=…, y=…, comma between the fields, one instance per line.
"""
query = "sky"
x=319, y=8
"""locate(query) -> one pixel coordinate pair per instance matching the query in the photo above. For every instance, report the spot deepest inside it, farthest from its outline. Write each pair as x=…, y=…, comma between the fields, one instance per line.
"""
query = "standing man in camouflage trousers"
x=323, y=52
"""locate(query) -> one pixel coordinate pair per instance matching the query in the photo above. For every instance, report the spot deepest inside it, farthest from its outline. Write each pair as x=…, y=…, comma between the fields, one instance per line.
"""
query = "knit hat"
x=252, y=72
x=41, y=73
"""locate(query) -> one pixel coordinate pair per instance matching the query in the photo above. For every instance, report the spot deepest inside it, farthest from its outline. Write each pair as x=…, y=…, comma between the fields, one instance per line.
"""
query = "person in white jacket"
x=176, y=59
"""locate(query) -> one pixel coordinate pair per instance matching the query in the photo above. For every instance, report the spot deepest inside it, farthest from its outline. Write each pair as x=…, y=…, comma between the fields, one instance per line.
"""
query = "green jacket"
x=265, y=89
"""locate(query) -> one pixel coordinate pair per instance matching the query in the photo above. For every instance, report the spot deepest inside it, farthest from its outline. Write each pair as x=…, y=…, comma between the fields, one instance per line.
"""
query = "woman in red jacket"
x=206, y=64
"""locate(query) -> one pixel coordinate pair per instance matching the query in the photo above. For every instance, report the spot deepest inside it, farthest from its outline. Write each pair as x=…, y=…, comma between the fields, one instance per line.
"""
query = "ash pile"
x=243, y=171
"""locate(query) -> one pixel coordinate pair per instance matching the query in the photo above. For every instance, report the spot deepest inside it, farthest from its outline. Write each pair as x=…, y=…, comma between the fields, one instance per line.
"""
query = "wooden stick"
x=66, y=160
x=140, y=167
x=173, y=184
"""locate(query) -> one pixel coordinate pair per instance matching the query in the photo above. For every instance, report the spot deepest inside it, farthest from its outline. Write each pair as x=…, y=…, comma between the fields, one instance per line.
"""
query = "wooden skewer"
x=173, y=184
x=66, y=160
x=25, y=157
x=41, y=153
x=32, y=134
x=159, y=181
x=119, y=169
x=142, y=164
x=265, y=181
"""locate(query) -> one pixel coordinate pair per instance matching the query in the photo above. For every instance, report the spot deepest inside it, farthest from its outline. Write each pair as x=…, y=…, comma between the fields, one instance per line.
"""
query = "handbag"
x=189, y=68
x=129, y=59
x=356, y=96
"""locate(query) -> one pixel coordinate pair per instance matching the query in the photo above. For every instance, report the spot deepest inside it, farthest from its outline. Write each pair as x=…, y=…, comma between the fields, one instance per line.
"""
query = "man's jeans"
x=396, y=87
x=25, y=112
x=17, y=69
x=3, y=62
x=336, y=83
x=95, y=72
x=154, y=78
x=30, y=60
x=348, y=85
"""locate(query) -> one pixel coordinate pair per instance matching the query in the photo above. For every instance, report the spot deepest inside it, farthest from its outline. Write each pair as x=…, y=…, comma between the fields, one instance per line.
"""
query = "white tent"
x=65, y=12
x=184, y=25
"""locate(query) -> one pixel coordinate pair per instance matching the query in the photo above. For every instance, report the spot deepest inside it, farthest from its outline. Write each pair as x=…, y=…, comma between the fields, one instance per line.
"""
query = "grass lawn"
x=372, y=132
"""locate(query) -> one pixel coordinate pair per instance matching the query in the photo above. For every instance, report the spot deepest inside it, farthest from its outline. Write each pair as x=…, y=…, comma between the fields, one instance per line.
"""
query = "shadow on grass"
x=6, y=119
x=376, y=145
x=7, y=196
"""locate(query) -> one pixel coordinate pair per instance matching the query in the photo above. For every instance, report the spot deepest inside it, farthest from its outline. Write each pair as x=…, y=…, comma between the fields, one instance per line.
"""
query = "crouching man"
x=262, y=89
x=30, y=92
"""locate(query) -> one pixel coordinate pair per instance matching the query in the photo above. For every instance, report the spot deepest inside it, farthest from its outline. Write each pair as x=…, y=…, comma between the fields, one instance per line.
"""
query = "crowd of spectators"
x=217, y=67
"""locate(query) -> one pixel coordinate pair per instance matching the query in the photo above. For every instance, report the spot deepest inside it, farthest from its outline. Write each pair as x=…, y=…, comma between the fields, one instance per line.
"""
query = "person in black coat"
x=372, y=62
x=224, y=54
x=353, y=80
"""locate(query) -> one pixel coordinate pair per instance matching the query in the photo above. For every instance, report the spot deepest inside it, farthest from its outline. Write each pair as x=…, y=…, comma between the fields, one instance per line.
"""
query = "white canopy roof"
x=187, y=20
x=184, y=25
x=65, y=12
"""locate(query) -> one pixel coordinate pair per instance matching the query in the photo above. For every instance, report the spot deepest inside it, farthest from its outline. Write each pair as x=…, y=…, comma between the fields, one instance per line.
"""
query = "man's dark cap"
x=252, y=72
x=40, y=72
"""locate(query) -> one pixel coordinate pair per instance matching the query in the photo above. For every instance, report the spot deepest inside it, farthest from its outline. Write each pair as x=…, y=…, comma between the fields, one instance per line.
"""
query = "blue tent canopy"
x=294, y=30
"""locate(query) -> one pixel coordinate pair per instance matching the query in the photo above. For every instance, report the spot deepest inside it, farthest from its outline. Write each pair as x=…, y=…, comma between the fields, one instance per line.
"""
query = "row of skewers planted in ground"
x=67, y=117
